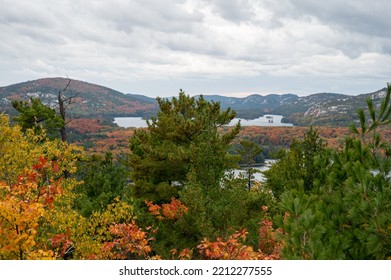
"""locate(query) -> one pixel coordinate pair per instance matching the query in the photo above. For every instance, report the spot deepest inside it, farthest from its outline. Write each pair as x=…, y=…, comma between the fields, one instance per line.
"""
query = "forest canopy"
x=173, y=193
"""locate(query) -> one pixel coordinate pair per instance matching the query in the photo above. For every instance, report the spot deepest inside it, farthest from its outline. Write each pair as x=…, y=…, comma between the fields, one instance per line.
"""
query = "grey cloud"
x=42, y=23
x=364, y=16
x=386, y=47
x=27, y=13
x=356, y=27
x=247, y=11
x=132, y=41
x=235, y=10
x=156, y=15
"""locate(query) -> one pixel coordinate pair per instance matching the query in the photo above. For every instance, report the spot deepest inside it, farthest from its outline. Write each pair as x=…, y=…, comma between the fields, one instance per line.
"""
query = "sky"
x=227, y=47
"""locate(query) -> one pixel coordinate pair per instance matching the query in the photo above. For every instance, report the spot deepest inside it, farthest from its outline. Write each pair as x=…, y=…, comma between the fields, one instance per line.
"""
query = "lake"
x=257, y=176
x=136, y=122
x=266, y=120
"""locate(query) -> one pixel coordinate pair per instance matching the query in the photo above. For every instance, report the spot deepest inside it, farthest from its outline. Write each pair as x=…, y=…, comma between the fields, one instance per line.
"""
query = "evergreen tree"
x=182, y=142
x=347, y=215
x=183, y=153
x=37, y=116
x=103, y=179
x=248, y=152
x=304, y=166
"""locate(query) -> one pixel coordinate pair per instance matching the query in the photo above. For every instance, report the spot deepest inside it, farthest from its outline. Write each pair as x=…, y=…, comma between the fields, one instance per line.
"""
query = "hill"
x=91, y=100
x=316, y=109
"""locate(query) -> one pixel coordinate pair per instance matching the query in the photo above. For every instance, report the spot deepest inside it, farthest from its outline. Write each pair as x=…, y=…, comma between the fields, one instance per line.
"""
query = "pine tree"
x=347, y=215
x=304, y=166
x=248, y=151
x=38, y=116
x=182, y=142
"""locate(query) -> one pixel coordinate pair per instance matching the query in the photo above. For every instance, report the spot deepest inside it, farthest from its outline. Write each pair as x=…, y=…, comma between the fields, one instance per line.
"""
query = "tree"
x=63, y=103
x=22, y=208
x=103, y=179
x=35, y=115
x=235, y=246
x=182, y=143
x=303, y=166
x=346, y=216
x=31, y=185
x=19, y=151
x=248, y=151
x=38, y=219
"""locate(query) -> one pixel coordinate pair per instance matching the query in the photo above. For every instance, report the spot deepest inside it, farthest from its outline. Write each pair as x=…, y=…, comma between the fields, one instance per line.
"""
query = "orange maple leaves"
x=234, y=247
x=168, y=211
x=230, y=249
x=62, y=244
x=129, y=242
x=21, y=209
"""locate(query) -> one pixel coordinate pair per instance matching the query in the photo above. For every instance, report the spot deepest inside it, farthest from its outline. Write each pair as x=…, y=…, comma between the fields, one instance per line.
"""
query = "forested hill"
x=92, y=100
x=316, y=109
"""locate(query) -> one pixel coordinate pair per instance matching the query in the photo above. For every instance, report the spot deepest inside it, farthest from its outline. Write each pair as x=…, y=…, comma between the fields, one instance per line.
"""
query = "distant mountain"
x=316, y=109
x=92, y=100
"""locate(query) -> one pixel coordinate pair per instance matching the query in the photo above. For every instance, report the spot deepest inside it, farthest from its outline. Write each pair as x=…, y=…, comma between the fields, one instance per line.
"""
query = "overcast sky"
x=230, y=47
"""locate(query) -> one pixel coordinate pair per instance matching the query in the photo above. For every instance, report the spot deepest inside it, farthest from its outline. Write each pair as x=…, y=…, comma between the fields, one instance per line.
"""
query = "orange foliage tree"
x=234, y=248
x=30, y=182
x=38, y=220
x=231, y=248
x=168, y=211
x=22, y=207
x=37, y=217
x=130, y=242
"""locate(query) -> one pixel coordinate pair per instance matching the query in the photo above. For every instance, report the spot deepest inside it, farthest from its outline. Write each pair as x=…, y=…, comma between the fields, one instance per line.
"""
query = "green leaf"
x=354, y=129
x=371, y=108
x=362, y=119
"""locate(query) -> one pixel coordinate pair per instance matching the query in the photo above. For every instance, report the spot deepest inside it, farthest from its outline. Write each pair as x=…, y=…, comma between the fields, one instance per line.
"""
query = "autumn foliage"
x=21, y=210
x=180, y=202
x=38, y=218
x=62, y=244
x=234, y=248
x=168, y=211
x=129, y=242
x=23, y=207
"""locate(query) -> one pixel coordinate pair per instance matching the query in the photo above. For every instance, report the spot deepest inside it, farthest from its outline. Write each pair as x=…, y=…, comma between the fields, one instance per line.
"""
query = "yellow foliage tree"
x=31, y=182
x=82, y=237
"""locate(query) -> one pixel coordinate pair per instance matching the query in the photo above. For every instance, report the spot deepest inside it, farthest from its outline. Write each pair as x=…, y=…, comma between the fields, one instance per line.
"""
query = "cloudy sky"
x=230, y=47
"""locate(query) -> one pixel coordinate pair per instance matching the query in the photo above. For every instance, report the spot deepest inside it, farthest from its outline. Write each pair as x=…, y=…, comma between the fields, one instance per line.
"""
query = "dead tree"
x=63, y=104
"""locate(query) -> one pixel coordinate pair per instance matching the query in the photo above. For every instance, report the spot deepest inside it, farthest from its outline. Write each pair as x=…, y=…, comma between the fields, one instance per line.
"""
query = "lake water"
x=266, y=120
x=136, y=122
x=257, y=176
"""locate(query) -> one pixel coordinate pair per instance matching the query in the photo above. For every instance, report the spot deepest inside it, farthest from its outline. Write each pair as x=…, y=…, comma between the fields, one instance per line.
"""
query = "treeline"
x=171, y=195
